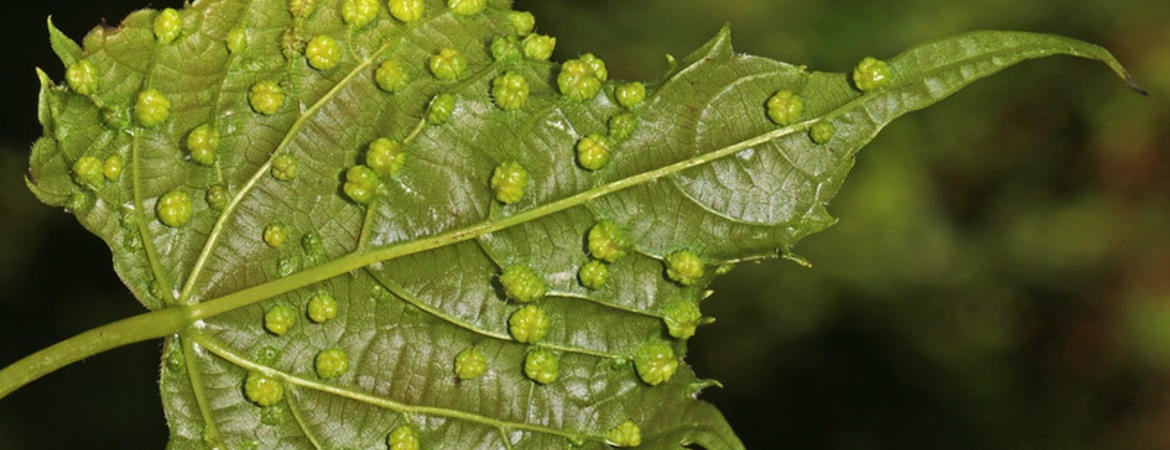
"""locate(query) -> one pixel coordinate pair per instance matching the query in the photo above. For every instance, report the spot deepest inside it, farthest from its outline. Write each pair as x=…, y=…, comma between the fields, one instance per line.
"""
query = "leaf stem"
x=143, y=327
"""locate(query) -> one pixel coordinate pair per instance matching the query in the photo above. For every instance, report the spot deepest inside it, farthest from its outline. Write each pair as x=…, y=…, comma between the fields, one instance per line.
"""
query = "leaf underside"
x=416, y=270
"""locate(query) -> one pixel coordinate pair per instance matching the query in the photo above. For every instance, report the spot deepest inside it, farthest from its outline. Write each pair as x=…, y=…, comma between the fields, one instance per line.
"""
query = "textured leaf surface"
x=416, y=271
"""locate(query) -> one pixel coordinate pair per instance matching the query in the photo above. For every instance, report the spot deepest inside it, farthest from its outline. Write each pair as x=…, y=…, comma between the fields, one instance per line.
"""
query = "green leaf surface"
x=414, y=260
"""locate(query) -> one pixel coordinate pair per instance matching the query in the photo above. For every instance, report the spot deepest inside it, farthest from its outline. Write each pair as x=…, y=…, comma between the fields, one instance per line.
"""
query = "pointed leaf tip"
x=66, y=49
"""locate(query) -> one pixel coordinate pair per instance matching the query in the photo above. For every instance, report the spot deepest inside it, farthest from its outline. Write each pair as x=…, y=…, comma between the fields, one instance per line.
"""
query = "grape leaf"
x=382, y=222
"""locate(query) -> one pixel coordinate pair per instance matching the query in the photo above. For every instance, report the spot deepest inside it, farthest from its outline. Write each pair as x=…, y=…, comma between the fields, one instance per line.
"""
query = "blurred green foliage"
x=1000, y=277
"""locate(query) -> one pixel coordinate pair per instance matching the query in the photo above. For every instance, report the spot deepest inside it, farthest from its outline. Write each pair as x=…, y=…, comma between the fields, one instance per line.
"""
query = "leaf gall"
x=331, y=363
x=528, y=324
x=542, y=366
x=523, y=284
x=508, y=182
x=322, y=307
x=655, y=362
x=202, y=143
x=152, y=108
x=510, y=91
x=784, y=108
x=266, y=97
x=262, y=390
x=82, y=77
x=684, y=267
x=279, y=319
x=174, y=209
x=871, y=74
x=593, y=152
x=470, y=363
x=167, y=25
x=407, y=10
x=323, y=52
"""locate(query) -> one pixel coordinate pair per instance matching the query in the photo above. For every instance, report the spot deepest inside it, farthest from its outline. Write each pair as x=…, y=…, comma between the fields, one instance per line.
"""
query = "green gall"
x=167, y=25
x=542, y=366
x=522, y=22
x=597, y=65
x=622, y=126
x=822, y=132
x=279, y=319
x=174, y=209
x=112, y=168
x=467, y=7
x=682, y=317
x=407, y=10
x=88, y=171
x=152, y=108
x=312, y=245
x=218, y=197
x=331, y=363
x=403, y=438
x=391, y=77
x=288, y=265
x=523, y=284
x=447, y=65
x=508, y=182
x=284, y=168
x=628, y=434
x=784, y=108
x=202, y=143
x=510, y=91
x=593, y=152
x=359, y=13
x=871, y=73
x=272, y=415
x=301, y=8
x=440, y=109
x=631, y=95
x=505, y=49
x=684, y=267
x=470, y=363
x=236, y=40
x=266, y=97
x=267, y=355
x=292, y=42
x=385, y=156
x=655, y=362
x=607, y=242
x=593, y=274
x=528, y=324
x=322, y=307
x=323, y=52
x=577, y=81
x=538, y=47
x=361, y=183
x=275, y=235
x=262, y=390
x=82, y=77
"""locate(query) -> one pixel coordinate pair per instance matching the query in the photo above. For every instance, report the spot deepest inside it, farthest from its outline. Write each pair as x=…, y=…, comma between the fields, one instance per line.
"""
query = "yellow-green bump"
x=871, y=73
x=262, y=390
x=407, y=10
x=509, y=181
x=167, y=25
x=152, y=108
x=266, y=97
x=403, y=438
x=655, y=362
x=279, y=319
x=542, y=366
x=684, y=267
x=470, y=363
x=322, y=307
x=628, y=434
x=331, y=363
x=523, y=284
x=528, y=324
x=174, y=209
x=784, y=108
x=82, y=77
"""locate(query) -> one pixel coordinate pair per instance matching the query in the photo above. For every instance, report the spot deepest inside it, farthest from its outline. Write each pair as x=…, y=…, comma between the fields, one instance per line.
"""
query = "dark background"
x=1000, y=278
